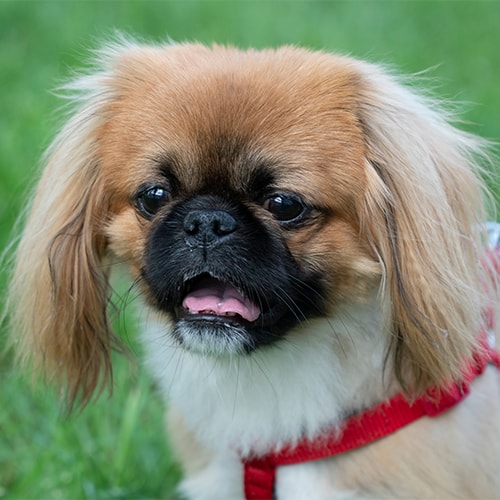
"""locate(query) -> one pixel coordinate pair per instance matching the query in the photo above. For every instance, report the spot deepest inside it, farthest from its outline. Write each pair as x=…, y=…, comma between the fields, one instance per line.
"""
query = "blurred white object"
x=493, y=229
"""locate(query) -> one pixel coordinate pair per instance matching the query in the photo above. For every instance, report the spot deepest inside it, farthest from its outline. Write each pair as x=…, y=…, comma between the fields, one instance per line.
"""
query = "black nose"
x=206, y=227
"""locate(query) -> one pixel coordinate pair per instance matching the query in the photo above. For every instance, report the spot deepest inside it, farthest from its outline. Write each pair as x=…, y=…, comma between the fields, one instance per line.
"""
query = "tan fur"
x=188, y=451
x=400, y=189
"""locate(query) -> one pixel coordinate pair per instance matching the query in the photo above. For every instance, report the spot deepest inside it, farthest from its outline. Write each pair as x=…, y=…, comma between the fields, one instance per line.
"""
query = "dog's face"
x=249, y=192
x=238, y=192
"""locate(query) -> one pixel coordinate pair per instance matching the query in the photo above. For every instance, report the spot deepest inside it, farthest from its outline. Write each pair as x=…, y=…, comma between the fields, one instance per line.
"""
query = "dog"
x=306, y=233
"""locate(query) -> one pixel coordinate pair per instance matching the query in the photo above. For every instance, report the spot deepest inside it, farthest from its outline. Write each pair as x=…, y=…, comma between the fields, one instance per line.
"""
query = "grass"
x=115, y=448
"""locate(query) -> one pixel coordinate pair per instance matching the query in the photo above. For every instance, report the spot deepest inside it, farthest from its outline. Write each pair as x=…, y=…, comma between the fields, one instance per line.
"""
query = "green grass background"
x=116, y=448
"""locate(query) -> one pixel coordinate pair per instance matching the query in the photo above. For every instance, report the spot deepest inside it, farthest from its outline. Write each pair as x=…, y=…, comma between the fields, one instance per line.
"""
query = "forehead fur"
x=209, y=112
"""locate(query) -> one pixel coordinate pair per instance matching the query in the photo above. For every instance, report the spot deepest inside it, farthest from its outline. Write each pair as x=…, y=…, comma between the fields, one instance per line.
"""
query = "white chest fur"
x=320, y=372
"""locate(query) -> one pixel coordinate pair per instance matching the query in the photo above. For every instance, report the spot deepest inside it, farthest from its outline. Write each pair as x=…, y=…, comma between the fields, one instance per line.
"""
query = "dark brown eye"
x=285, y=207
x=150, y=199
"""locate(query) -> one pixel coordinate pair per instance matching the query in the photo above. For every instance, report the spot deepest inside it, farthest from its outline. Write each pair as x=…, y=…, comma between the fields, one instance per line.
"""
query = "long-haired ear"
x=58, y=293
x=423, y=214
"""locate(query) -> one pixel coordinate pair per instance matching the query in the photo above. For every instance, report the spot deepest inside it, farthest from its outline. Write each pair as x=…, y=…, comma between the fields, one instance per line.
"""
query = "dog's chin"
x=214, y=336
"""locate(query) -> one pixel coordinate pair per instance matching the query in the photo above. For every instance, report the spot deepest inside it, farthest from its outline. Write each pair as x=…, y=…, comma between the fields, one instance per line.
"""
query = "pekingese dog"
x=306, y=233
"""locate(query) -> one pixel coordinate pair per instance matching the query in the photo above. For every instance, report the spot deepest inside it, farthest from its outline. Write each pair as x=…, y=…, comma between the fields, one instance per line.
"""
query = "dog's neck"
x=314, y=378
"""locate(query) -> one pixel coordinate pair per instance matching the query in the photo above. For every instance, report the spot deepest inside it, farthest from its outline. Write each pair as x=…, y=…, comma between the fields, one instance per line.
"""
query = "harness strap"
x=366, y=427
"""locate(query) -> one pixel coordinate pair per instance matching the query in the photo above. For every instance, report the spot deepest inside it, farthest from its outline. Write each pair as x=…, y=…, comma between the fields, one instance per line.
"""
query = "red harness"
x=368, y=426
x=363, y=428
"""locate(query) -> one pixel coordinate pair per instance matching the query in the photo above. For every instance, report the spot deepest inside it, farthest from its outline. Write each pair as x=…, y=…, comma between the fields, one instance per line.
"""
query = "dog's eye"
x=285, y=207
x=150, y=199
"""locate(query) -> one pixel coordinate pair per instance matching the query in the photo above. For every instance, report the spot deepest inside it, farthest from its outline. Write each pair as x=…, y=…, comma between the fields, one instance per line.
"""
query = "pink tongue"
x=213, y=296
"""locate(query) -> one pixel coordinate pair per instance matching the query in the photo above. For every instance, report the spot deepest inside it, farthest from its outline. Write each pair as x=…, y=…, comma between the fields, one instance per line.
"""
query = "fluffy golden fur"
x=399, y=235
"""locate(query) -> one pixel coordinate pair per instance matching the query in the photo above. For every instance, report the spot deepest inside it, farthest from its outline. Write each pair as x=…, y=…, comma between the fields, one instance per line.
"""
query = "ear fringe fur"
x=424, y=215
x=58, y=294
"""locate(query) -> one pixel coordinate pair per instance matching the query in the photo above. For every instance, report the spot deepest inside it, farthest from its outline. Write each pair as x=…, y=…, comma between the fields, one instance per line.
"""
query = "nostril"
x=191, y=224
x=224, y=223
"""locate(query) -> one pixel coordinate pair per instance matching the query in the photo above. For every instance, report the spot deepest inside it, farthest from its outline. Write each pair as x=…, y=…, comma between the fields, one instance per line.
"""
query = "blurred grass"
x=115, y=448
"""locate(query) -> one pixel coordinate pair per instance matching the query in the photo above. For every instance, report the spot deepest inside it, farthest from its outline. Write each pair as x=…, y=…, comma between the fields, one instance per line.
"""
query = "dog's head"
x=249, y=192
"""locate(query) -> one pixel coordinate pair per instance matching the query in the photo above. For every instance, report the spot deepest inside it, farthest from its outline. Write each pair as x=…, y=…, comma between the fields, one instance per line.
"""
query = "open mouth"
x=210, y=298
x=216, y=316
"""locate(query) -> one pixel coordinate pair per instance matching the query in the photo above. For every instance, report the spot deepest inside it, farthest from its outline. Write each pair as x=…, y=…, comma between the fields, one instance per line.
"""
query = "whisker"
x=260, y=365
